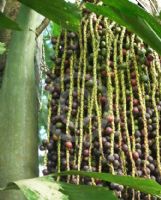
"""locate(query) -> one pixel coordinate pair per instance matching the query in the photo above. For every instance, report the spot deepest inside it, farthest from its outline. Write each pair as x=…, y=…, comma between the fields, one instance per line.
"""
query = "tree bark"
x=18, y=107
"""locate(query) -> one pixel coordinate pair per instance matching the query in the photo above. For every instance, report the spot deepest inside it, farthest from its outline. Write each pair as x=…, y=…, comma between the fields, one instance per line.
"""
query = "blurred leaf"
x=44, y=188
x=56, y=29
x=65, y=14
x=2, y=48
x=134, y=18
x=7, y=23
x=148, y=186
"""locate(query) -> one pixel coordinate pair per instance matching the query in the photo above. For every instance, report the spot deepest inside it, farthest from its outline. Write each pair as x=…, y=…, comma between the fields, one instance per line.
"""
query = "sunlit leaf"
x=44, y=188
x=56, y=29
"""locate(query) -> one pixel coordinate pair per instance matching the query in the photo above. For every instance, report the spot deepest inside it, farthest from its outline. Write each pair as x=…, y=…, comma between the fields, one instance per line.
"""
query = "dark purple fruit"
x=151, y=167
x=53, y=40
x=86, y=144
x=150, y=57
x=108, y=130
x=44, y=142
x=42, y=148
x=74, y=46
x=50, y=146
x=135, y=110
x=111, y=158
x=135, y=102
x=72, y=35
x=86, y=168
x=58, y=61
x=48, y=80
x=86, y=152
x=107, y=144
x=103, y=99
x=135, y=155
x=125, y=147
x=117, y=120
x=64, y=162
x=45, y=172
x=133, y=82
x=138, y=146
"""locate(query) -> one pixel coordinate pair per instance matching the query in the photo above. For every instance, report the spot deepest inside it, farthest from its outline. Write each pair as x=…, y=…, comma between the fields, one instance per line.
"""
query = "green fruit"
x=103, y=67
x=99, y=88
x=89, y=67
x=103, y=43
x=104, y=31
x=147, y=97
x=136, y=46
x=144, y=78
x=104, y=37
x=141, y=52
x=136, y=127
x=118, y=29
x=127, y=46
x=100, y=58
x=127, y=92
x=91, y=57
x=59, y=125
x=105, y=114
x=149, y=50
x=98, y=68
x=90, y=83
x=122, y=66
x=104, y=51
x=141, y=59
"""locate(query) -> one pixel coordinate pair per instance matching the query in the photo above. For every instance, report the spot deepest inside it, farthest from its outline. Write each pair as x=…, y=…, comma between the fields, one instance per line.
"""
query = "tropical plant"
x=22, y=118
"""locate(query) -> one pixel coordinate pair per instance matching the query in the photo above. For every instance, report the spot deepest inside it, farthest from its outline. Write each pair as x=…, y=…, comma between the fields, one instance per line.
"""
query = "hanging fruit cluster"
x=105, y=105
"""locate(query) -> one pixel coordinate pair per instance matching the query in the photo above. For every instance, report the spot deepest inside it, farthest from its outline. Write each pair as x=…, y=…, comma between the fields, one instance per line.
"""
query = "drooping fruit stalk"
x=108, y=108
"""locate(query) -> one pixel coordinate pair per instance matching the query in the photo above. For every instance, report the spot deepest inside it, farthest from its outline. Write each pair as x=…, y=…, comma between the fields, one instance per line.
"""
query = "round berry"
x=68, y=145
x=135, y=155
x=108, y=130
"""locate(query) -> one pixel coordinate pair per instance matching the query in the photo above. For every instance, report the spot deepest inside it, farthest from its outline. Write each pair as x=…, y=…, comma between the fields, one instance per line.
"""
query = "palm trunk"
x=18, y=107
